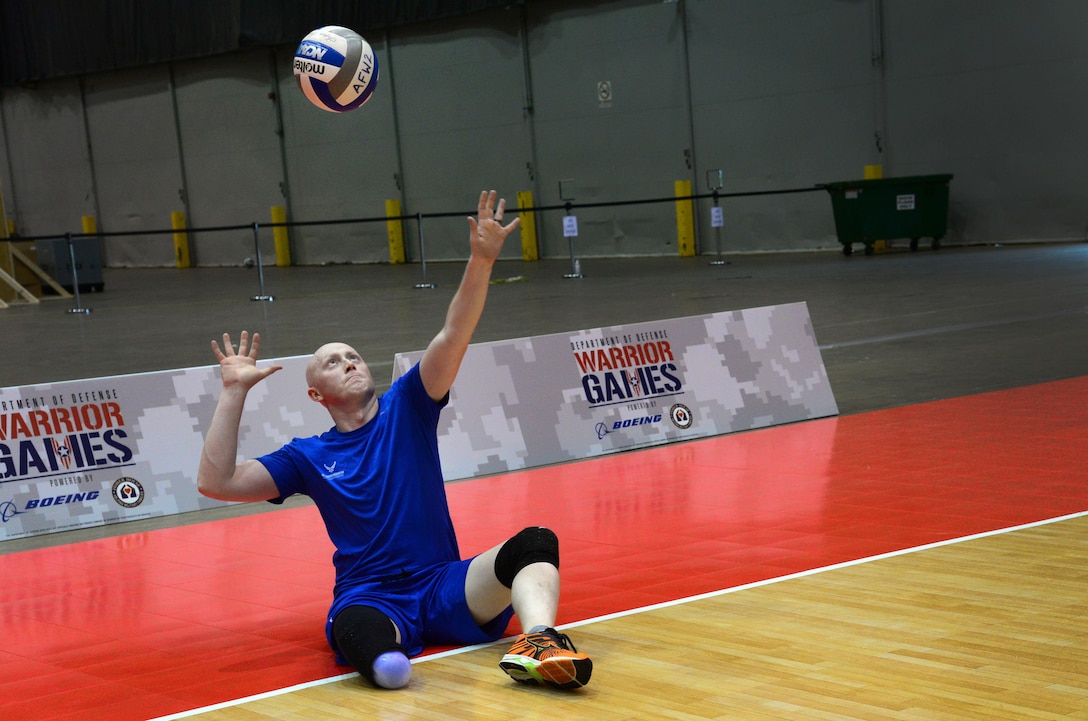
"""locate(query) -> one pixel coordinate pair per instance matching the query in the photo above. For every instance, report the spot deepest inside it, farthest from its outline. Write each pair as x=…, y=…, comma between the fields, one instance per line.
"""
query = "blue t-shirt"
x=379, y=488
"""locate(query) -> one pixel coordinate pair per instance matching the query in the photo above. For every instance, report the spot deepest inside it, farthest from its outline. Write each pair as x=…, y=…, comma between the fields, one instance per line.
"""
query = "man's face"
x=336, y=374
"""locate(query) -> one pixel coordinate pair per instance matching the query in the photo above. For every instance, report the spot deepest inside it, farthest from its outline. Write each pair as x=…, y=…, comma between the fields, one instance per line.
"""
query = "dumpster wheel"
x=847, y=249
x=914, y=245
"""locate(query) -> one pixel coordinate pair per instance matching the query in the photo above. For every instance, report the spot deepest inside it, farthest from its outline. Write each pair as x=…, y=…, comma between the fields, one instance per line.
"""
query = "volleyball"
x=336, y=68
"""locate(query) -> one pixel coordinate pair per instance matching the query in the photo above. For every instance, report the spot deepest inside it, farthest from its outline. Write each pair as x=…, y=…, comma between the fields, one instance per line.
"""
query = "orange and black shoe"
x=547, y=657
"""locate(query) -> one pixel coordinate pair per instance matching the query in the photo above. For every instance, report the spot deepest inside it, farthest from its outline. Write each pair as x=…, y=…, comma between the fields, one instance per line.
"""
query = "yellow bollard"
x=876, y=172
x=395, y=228
x=529, y=248
x=181, y=239
x=685, y=219
x=280, y=237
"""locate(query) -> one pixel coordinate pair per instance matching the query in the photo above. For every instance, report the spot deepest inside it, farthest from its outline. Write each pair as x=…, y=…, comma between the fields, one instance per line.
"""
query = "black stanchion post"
x=422, y=253
x=714, y=180
x=570, y=229
x=260, y=265
x=75, y=277
x=570, y=226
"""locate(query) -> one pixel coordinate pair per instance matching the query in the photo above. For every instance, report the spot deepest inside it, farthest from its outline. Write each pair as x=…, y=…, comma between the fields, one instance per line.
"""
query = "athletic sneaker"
x=547, y=657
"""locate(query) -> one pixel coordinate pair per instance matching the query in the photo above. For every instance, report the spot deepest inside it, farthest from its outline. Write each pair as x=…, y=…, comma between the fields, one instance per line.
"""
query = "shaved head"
x=321, y=355
x=336, y=376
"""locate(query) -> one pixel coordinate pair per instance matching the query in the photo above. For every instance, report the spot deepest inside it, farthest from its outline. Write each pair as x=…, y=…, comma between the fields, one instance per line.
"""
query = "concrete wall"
x=777, y=94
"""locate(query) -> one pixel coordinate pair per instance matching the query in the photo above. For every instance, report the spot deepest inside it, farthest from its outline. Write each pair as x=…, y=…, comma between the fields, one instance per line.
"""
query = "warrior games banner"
x=535, y=401
x=94, y=452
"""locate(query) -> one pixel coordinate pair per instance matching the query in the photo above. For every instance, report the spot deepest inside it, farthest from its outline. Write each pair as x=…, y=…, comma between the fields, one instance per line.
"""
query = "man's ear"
x=315, y=395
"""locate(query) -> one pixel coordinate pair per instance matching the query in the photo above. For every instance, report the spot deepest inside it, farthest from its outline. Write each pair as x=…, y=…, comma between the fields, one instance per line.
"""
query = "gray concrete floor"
x=895, y=328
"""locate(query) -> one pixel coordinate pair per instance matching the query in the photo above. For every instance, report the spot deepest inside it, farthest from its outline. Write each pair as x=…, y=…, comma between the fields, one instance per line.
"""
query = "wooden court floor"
x=923, y=562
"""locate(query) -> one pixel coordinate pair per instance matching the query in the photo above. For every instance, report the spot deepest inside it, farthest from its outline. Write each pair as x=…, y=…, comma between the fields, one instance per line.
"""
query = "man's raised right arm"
x=219, y=475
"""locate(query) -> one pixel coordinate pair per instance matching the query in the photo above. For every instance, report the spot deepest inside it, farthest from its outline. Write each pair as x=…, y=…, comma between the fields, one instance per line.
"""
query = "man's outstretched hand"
x=486, y=231
x=239, y=368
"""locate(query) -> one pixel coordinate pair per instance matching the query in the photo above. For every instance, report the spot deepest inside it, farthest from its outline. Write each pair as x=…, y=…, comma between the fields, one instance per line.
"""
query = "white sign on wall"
x=604, y=93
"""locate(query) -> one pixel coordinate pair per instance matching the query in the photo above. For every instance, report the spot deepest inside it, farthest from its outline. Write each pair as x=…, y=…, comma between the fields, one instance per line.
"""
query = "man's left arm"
x=442, y=359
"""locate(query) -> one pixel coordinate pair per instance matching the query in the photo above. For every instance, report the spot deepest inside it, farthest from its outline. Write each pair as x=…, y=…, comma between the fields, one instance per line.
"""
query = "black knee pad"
x=362, y=634
x=531, y=545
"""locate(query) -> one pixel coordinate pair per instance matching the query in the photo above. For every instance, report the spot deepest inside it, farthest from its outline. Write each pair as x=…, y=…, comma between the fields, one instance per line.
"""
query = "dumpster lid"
x=876, y=182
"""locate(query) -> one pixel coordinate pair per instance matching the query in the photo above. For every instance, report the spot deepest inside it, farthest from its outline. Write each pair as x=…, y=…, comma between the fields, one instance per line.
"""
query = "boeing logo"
x=603, y=429
x=8, y=511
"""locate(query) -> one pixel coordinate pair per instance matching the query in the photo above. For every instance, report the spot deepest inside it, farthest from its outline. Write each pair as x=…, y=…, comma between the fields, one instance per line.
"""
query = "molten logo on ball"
x=336, y=68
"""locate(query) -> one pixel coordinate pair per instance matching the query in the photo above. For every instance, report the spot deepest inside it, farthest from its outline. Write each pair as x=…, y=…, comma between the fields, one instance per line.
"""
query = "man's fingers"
x=487, y=202
x=246, y=346
x=488, y=210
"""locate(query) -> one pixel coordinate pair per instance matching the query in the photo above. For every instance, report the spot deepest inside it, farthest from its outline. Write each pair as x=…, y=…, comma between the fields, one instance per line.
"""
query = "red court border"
x=150, y=624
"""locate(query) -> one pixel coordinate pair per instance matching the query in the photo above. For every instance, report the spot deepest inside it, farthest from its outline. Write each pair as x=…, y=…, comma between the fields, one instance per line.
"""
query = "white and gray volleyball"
x=336, y=68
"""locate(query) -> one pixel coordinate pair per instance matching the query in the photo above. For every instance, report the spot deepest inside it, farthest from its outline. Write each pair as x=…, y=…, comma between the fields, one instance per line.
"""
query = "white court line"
x=631, y=612
x=952, y=328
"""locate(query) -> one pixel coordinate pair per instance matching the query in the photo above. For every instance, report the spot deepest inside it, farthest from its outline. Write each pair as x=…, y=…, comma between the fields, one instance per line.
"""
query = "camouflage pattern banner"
x=94, y=452
x=536, y=401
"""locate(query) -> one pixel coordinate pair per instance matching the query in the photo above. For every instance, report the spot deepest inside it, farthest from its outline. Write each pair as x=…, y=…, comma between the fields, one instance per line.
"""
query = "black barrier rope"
x=411, y=216
x=567, y=207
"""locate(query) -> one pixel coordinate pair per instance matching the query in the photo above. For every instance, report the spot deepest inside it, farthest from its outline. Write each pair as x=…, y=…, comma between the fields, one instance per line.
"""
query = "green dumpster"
x=889, y=208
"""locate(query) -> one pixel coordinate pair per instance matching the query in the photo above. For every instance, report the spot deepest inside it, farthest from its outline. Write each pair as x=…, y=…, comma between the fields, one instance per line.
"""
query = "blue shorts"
x=428, y=607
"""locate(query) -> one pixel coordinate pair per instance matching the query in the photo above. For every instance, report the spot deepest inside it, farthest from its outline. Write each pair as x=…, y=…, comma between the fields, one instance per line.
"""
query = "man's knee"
x=364, y=636
x=529, y=546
